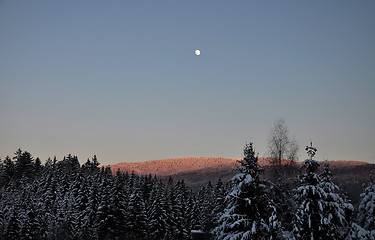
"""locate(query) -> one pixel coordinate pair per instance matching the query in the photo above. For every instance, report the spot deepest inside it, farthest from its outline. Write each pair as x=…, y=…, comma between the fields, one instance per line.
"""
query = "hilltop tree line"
x=66, y=200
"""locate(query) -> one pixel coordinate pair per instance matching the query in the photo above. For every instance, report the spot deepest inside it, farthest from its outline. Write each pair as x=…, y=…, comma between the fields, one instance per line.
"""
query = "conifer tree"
x=193, y=213
x=31, y=227
x=90, y=212
x=206, y=207
x=358, y=233
x=13, y=229
x=157, y=216
x=37, y=166
x=171, y=208
x=180, y=211
x=218, y=201
x=79, y=194
x=336, y=209
x=249, y=213
x=24, y=164
x=118, y=207
x=102, y=224
x=7, y=173
x=135, y=215
x=309, y=221
x=2, y=230
x=104, y=217
x=366, y=209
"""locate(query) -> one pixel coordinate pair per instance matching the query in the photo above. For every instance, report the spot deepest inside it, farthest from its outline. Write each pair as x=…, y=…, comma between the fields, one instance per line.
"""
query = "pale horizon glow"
x=118, y=79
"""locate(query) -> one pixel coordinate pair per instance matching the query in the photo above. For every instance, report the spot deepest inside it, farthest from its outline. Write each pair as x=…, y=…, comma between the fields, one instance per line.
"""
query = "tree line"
x=66, y=200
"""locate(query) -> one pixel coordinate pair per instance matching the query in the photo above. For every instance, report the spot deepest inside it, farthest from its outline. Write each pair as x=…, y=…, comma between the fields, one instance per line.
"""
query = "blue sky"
x=119, y=79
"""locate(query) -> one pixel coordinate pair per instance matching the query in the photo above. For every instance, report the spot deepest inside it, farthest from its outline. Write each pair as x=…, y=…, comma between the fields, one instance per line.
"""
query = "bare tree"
x=280, y=145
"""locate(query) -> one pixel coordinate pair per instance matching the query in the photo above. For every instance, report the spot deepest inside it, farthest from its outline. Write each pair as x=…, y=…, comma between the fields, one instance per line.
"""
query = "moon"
x=197, y=52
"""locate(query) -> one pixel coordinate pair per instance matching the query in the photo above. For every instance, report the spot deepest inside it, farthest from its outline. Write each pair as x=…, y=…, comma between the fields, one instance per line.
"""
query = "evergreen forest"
x=62, y=199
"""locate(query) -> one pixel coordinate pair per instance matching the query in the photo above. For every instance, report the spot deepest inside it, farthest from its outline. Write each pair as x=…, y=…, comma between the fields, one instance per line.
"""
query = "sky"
x=120, y=80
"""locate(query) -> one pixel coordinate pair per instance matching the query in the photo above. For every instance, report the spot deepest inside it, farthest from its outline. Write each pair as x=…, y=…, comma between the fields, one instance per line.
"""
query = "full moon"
x=197, y=52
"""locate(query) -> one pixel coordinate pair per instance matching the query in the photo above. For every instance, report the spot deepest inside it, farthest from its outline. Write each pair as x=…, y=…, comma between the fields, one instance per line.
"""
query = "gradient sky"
x=119, y=79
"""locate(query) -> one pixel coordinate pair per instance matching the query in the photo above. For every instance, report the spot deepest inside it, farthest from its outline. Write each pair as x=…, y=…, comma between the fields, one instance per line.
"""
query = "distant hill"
x=174, y=166
x=197, y=171
x=343, y=163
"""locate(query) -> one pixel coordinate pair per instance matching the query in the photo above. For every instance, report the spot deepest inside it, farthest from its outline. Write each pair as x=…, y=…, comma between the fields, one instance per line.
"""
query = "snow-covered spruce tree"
x=337, y=210
x=157, y=216
x=24, y=165
x=358, y=233
x=206, y=205
x=31, y=227
x=219, y=196
x=182, y=195
x=117, y=208
x=309, y=221
x=13, y=228
x=6, y=173
x=1, y=217
x=136, y=218
x=249, y=213
x=103, y=220
x=193, y=213
x=174, y=213
x=90, y=212
x=366, y=209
